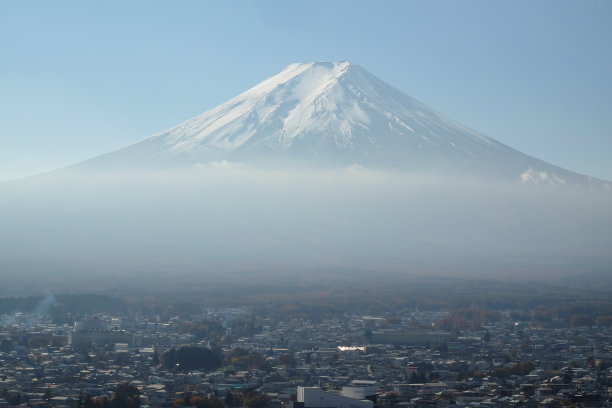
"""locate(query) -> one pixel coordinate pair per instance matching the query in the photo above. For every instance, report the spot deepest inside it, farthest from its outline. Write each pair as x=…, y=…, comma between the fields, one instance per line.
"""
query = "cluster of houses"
x=347, y=362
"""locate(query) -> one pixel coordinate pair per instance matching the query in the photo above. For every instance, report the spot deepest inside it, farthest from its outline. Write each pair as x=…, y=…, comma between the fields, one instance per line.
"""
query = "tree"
x=287, y=360
x=580, y=320
x=155, y=360
x=99, y=402
x=126, y=395
x=38, y=341
x=192, y=358
x=254, y=399
x=242, y=359
x=13, y=398
x=229, y=399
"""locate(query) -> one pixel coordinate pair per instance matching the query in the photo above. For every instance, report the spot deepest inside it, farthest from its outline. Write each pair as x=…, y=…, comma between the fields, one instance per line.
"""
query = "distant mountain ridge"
x=334, y=114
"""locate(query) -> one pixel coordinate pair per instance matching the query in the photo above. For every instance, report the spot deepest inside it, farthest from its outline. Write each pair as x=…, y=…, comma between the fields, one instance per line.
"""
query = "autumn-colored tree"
x=38, y=341
x=13, y=398
x=542, y=315
x=126, y=395
x=242, y=359
x=392, y=320
x=208, y=329
x=472, y=318
x=59, y=341
x=287, y=360
x=516, y=369
x=581, y=320
x=99, y=402
x=603, y=321
x=254, y=399
x=198, y=402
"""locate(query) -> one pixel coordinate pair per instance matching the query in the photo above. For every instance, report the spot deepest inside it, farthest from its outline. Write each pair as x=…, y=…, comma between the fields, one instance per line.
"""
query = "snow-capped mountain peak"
x=331, y=113
x=314, y=107
x=302, y=97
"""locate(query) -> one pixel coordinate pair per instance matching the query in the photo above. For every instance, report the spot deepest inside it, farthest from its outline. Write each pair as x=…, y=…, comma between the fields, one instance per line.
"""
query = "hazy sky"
x=78, y=79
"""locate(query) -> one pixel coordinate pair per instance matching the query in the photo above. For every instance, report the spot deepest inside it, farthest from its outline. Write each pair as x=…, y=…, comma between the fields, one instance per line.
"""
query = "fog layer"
x=219, y=221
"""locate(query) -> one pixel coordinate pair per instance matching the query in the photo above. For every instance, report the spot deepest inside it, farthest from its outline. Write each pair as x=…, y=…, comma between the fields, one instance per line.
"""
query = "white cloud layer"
x=231, y=219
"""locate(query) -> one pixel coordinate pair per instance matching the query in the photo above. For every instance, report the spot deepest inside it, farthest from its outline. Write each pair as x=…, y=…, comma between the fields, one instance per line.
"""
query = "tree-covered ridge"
x=468, y=302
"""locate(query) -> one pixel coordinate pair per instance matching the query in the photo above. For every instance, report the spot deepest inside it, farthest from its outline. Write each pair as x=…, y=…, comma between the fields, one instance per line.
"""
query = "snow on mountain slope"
x=318, y=105
x=334, y=114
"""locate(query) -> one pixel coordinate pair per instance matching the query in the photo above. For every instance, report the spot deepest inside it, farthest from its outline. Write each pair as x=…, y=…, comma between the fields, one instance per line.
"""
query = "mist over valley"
x=322, y=169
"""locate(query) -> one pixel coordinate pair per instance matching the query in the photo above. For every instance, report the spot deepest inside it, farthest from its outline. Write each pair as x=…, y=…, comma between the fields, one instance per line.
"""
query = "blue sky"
x=78, y=79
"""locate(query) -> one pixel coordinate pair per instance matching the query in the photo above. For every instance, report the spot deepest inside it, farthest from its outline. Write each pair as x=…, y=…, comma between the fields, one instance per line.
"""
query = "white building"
x=360, y=389
x=314, y=397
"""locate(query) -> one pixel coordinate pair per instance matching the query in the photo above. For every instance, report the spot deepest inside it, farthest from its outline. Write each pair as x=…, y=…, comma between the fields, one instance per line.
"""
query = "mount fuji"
x=333, y=114
x=334, y=171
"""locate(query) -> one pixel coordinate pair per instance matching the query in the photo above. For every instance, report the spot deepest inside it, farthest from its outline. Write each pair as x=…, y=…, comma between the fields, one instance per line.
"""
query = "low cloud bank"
x=232, y=218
